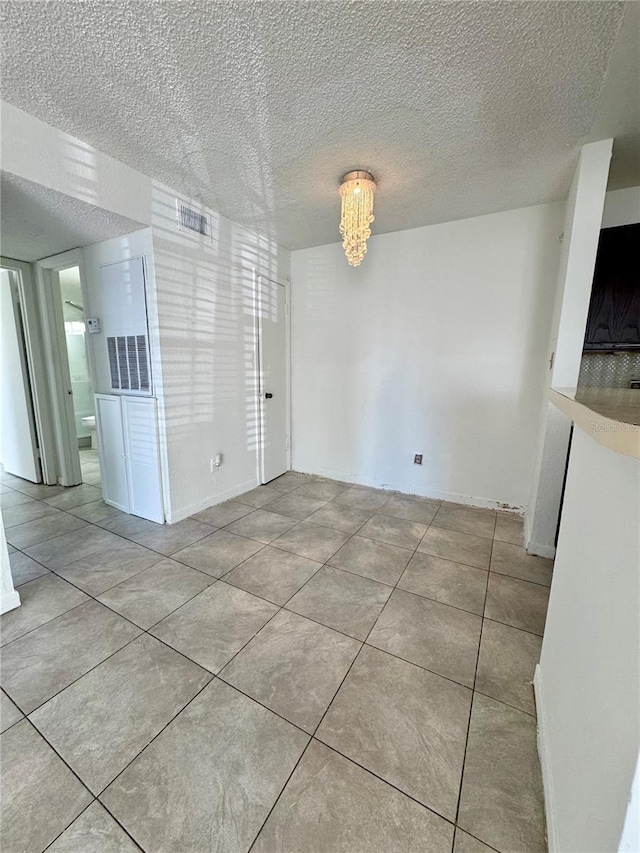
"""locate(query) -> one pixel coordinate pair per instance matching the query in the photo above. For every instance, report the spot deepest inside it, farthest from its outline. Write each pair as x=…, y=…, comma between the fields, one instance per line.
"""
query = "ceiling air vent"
x=192, y=220
x=129, y=363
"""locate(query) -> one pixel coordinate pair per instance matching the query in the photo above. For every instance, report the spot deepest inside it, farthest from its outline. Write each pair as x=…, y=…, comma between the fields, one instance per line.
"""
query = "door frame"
x=56, y=358
x=286, y=284
x=36, y=362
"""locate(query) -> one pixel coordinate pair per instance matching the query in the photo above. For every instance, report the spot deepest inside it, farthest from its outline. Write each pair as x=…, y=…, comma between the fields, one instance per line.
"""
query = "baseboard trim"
x=545, y=764
x=10, y=600
x=540, y=550
x=454, y=497
x=187, y=511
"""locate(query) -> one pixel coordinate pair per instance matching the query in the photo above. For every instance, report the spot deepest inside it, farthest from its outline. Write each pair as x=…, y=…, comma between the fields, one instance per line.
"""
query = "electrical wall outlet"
x=417, y=459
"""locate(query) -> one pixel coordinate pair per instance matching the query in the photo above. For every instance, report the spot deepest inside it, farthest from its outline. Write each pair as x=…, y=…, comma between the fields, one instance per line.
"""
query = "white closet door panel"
x=143, y=464
x=18, y=448
x=272, y=301
x=111, y=448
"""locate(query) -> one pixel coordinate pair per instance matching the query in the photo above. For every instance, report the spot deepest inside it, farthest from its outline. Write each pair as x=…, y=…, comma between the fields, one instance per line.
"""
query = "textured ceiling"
x=618, y=112
x=257, y=108
x=36, y=222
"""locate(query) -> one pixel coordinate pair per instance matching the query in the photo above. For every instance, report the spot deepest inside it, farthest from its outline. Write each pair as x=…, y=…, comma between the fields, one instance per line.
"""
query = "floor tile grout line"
x=312, y=737
x=475, y=837
x=277, y=800
x=235, y=687
x=77, y=817
x=64, y=761
x=112, y=816
x=515, y=627
x=75, y=680
x=386, y=781
x=475, y=678
x=395, y=586
x=506, y=704
x=138, y=754
x=48, y=621
x=419, y=666
x=109, y=588
x=436, y=600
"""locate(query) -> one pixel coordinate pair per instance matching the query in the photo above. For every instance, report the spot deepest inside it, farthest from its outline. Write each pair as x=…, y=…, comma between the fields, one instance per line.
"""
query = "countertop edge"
x=619, y=436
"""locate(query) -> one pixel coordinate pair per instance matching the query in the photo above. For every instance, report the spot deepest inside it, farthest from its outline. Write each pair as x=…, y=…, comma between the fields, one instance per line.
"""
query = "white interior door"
x=274, y=404
x=18, y=443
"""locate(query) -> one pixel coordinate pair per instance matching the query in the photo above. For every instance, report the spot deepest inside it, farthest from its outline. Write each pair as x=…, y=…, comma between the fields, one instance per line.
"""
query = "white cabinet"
x=129, y=454
x=113, y=465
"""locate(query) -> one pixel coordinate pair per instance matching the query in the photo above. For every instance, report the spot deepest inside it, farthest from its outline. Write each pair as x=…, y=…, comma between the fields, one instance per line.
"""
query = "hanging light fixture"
x=356, y=191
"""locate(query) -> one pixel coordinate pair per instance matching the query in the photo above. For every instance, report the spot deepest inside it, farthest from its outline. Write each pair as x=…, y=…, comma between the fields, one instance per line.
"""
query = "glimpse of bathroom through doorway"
x=75, y=332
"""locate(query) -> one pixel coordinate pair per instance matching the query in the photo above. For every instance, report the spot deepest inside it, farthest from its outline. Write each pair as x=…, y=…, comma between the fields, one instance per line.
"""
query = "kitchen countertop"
x=611, y=416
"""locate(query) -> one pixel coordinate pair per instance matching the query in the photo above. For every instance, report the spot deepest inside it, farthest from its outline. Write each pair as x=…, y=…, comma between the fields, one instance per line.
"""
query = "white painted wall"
x=588, y=681
x=203, y=311
x=435, y=345
x=9, y=597
x=621, y=207
x=208, y=344
x=582, y=221
x=630, y=839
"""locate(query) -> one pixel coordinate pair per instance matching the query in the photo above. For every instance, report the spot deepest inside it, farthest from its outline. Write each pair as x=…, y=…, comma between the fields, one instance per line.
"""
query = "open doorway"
x=41, y=231
x=75, y=331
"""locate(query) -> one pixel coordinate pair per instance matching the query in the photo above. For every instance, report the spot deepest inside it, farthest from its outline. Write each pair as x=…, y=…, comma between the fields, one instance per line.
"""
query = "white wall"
x=202, y=313
x=630, y=838
x=621, y=207
x=208, y=344
x=582, y=220
x=588, y=681
x=435, y=345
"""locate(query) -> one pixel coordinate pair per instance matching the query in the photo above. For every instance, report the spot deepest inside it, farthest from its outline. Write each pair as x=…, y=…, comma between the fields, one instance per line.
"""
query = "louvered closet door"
x=143, y=462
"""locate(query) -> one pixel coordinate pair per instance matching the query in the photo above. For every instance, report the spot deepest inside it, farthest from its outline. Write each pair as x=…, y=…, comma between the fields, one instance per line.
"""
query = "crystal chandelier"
x=356, y=191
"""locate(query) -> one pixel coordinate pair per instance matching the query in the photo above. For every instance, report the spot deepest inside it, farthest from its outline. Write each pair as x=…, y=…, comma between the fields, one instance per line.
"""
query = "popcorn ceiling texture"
x=257, y=108
x=36, y=221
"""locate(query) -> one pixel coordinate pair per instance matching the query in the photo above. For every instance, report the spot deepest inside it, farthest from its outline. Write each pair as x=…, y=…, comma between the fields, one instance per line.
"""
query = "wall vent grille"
x=129, y=363
x=192, y=220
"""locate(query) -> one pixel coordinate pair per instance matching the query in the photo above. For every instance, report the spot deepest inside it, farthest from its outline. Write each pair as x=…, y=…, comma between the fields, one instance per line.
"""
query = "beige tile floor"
x=310, y=667
x=90, y=465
